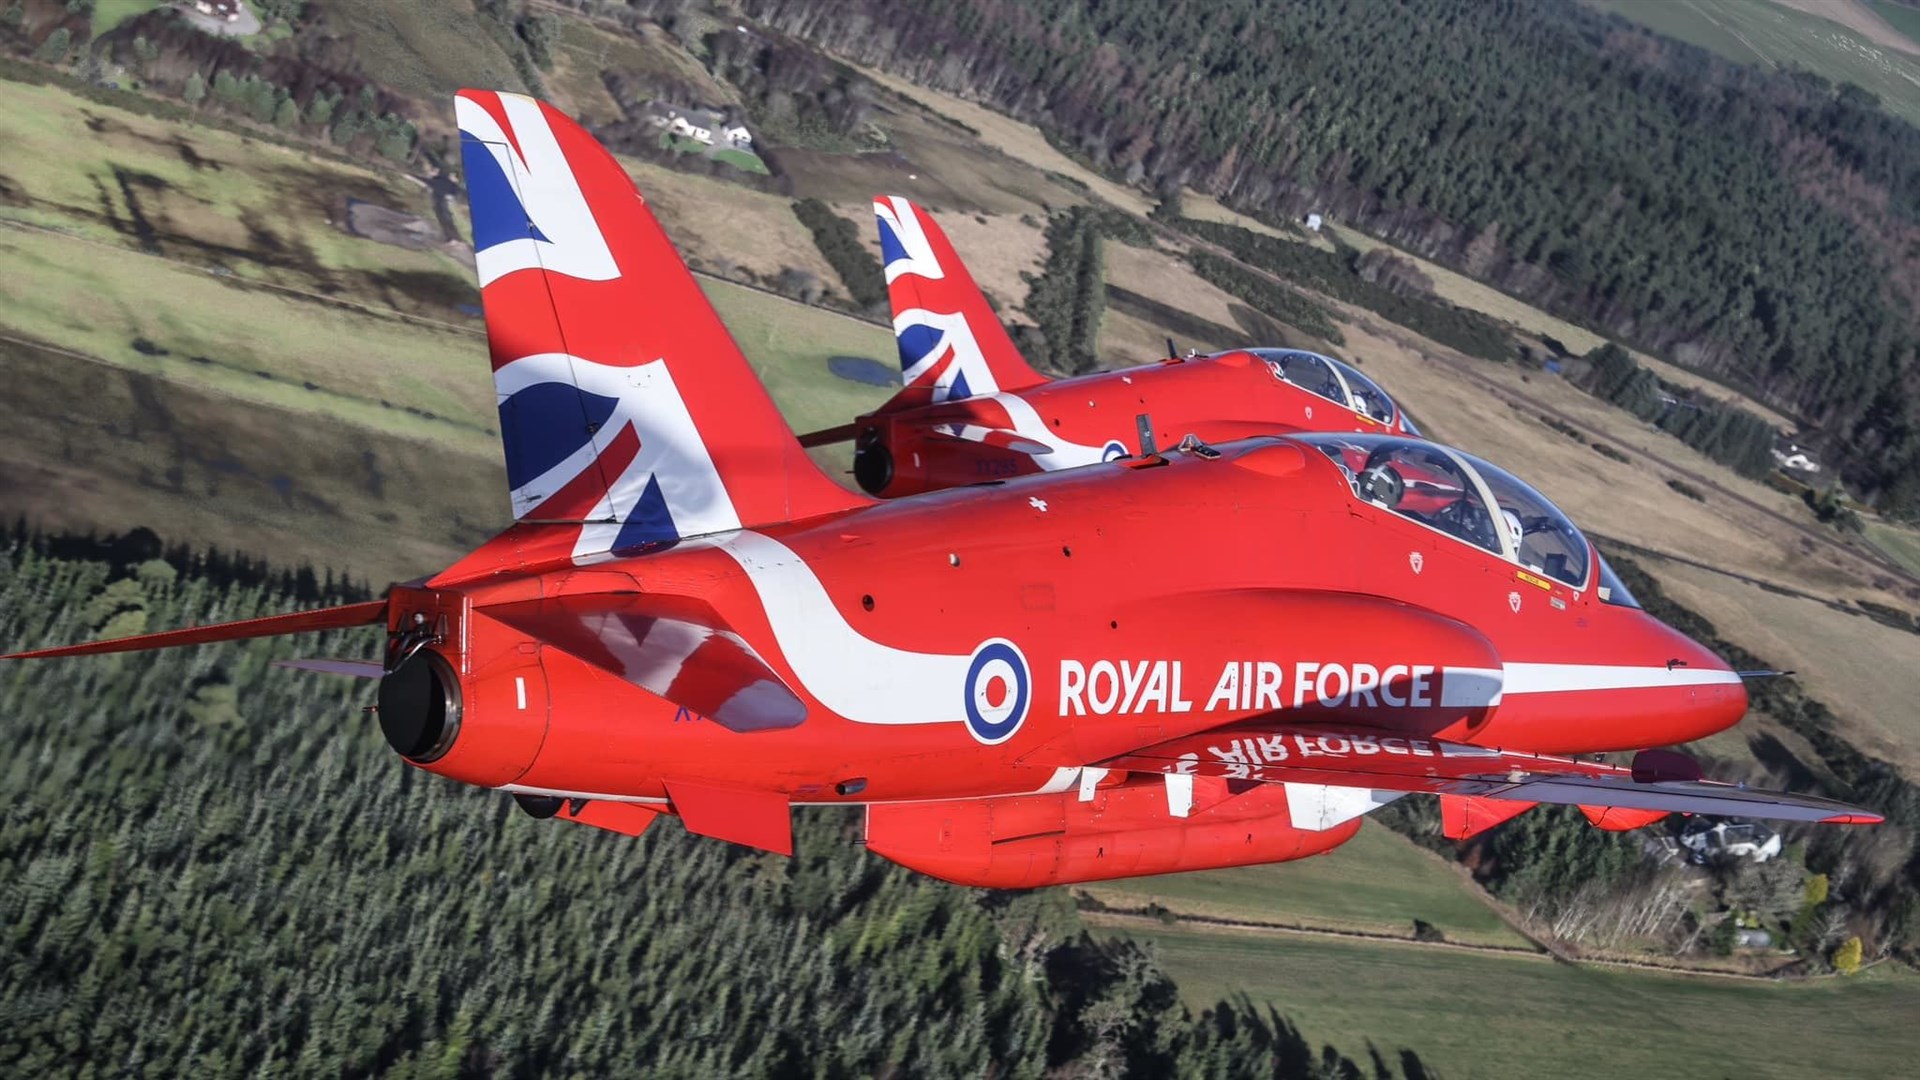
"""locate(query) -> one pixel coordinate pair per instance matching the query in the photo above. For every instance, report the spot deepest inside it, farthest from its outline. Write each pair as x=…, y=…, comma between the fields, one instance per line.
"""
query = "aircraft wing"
x=674, y=647
x=1390, y=764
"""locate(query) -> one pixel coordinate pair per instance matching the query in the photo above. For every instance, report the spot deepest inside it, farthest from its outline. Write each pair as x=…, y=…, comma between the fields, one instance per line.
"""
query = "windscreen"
x=1367, y=395
x=1544, y=540
x=1308, y=371
x=1416, y=480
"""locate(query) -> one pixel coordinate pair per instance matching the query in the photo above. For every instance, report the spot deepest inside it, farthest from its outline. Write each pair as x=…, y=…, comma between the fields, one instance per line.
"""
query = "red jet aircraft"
x=973, y=409
x=1212, y=657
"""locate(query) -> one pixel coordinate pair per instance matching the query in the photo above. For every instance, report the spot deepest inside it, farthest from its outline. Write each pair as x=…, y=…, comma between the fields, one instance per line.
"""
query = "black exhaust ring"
x=420, y=707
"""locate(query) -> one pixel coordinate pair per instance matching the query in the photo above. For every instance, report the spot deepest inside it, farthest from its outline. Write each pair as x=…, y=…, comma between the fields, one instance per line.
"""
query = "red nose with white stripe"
x=1660, y=688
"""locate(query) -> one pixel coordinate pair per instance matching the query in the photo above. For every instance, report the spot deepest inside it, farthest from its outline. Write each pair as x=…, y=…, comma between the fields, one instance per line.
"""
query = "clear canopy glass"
x=1366, y=394
x=1544, y=540
x=1335, y=380
x=1308, y=371
x=1466, y=498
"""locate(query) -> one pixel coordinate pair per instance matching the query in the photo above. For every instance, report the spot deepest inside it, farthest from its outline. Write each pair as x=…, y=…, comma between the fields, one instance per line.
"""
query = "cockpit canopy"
x=1472, y=500
x=1337, y=381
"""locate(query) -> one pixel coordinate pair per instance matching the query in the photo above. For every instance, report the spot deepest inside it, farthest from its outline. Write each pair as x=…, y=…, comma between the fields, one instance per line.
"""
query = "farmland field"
x=1473, y=1014
x=1861, y=669
x=426, y=47
x=1378, y=883
x=1021, y=142
x=1774, y=35
x=1904, y=20
x=1457, y=288
x=1900, y=543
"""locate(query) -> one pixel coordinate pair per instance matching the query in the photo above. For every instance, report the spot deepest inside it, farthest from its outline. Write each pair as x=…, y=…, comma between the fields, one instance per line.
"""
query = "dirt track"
x=1123, y=919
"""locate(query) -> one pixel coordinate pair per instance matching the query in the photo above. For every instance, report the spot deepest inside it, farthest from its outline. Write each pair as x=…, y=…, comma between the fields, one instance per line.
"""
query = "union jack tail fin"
x=627, y=410
x=951, y=343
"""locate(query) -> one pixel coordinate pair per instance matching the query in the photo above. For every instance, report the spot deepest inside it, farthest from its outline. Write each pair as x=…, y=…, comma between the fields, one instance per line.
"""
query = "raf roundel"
x=998, y=691
x=1113, y=451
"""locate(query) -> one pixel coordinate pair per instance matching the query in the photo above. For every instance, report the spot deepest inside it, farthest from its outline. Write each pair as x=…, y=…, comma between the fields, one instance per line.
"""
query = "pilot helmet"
x=1514, y=528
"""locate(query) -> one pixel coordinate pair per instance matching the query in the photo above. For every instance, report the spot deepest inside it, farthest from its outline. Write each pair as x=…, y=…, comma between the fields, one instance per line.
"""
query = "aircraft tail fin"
x=952, y=345
x=626, y=409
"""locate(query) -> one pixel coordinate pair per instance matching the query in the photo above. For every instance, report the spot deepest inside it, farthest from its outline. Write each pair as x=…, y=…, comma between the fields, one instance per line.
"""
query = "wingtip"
x=1856, y=817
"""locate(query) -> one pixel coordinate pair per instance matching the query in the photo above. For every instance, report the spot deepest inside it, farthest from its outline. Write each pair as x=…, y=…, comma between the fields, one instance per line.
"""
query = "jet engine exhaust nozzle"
x=420, y=707
x=873, y=465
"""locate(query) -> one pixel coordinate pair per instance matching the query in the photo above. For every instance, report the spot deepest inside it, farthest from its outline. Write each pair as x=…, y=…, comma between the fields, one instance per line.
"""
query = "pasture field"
x=296, y=352
x=716, y=224
x=1778, y=35
x=932, y=159
x=789, y=344
x=1476, y=1014
x=585, y=49
x=1377, y=883
x=1864, y=671
x=426, y=48
x=1457, y=288
x=1019, y=141
x=94, y=447
x=1902, y=544
x=212, y=198
x=1169, y=279
x=1203, y=207
x=1904, y=20
x=108, y=14
x=1470, y=404
x=205, y=447
x=1127, y=339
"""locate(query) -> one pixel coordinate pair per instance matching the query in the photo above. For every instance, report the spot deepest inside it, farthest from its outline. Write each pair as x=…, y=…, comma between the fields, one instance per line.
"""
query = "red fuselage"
x=1147, y=601
x=1090, y=418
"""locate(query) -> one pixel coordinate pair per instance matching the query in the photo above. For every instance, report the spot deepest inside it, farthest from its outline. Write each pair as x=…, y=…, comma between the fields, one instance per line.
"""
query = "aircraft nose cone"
x=1715, y=697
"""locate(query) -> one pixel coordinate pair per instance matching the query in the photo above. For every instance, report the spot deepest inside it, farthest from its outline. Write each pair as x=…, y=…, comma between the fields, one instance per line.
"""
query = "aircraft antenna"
x=1143, y=423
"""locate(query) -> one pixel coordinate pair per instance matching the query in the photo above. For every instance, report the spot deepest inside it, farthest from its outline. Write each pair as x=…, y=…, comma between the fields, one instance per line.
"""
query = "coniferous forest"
x=213, y=867
x=1755, y=226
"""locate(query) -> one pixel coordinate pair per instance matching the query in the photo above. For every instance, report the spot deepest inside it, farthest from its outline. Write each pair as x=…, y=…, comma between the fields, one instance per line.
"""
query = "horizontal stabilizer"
x=1361, y=758
x=297, y=622
x=357, y=669
x=830, y=436
x=673, y=647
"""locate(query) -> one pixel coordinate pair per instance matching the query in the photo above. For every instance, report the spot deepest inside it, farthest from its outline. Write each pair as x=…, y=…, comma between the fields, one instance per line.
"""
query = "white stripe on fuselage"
x=848, y=672
x=1566, y=678
x=1025, y=421
x=868, y=682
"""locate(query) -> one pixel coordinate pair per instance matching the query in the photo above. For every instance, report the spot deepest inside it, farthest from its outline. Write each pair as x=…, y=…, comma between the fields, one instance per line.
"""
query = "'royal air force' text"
x=1129, y=687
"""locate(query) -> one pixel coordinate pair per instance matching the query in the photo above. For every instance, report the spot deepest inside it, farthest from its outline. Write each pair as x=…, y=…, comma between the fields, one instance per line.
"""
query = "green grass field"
x=1471, y=1014
x=1899, y=16
x=425, y=47
x=108, y=14
x=1772, y=36
x=1900, y=544
x=1377, y=883
x=259, y=346
x=789, y=344
x=262, y=343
